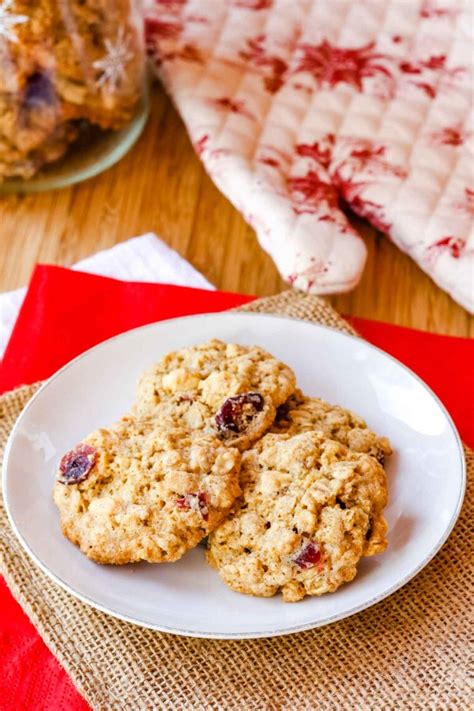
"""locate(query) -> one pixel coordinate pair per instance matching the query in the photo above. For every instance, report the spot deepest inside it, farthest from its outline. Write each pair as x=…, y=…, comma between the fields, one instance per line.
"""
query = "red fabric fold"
x=65, y=313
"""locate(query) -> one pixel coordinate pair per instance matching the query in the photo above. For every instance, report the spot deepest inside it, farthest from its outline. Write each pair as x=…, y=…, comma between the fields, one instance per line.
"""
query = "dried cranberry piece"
x=76, y=464
x=282, y=412
x=194, y=502
x=307, y=556
x=368, y=533
x=380, y=457
x=39, y=90
x=238, y=411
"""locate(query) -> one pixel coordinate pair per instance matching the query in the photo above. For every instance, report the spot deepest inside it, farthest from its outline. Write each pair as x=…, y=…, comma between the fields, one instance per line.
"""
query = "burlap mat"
x=409, y=651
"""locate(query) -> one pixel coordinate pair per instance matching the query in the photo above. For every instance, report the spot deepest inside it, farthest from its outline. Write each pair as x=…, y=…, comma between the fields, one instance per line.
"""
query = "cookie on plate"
x=310, y=509
x=302, y=414
x=230, y=390
x=137, y=491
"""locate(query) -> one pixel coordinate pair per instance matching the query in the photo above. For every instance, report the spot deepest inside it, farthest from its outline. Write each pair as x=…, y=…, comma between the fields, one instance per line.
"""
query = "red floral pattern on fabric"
x=449, y=136
x=330, y=65
x=253, y=4
x=339, y=81
x=320, y=151
x=369, y=160
x=309, y=274
x=170, y=5
x=429, y=10
x=364, y=158
x=256, y=54
x=235, y=106
x=164, y=30
x=371, y=157
x=272, y=162
x=309, y=191
x=467, y=204
x=158, y=29
x=431, y=73
x=454, y=246
x=200, y=144
x=370, y=210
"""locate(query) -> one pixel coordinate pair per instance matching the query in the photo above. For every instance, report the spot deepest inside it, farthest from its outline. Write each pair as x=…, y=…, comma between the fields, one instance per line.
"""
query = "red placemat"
x=65, y=313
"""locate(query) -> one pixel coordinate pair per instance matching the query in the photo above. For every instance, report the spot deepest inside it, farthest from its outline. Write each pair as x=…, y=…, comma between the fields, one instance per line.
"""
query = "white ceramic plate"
x=426, y=475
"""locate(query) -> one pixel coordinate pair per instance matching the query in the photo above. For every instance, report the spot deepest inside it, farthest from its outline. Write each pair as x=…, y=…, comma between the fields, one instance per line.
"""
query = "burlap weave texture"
x=410, y=651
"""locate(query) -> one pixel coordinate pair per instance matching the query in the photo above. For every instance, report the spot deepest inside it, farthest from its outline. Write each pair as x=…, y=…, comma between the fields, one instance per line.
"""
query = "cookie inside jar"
x=65, y=66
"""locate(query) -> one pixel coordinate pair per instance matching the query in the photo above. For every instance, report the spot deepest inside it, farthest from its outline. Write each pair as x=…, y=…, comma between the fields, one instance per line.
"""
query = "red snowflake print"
x=310, y=274
x=253, y=4
x=158, y=29
x=167, y=28
x=197, y=19
x=371, y=158
x=449, y=136
x=188, y=53
x=364, y=157
x=256, y=55
x=320, y=151
x=469, y=204
x=200, y=144
x=454, y=246
x=235, y=106
x=280, y=154
x=428, y=11
x=466, y=205
x=171, y=5
x=371, y=211
x=309, y=191
x=429, y=90
x=272, y=162
x=435, y=62
x=432, y=73
x=330, y=65
x=351, y=191
x=302, y=87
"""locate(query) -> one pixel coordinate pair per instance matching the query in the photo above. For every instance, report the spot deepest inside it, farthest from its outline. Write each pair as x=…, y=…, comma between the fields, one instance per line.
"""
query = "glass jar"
x=70, y=71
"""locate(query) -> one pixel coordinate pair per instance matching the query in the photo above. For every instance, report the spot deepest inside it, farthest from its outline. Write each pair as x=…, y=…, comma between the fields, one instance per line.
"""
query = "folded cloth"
x=66, y=312
x=298, y=106
x=144, y=258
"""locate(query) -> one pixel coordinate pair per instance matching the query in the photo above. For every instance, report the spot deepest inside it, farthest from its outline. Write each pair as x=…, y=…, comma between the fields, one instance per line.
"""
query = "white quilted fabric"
x=299, y=108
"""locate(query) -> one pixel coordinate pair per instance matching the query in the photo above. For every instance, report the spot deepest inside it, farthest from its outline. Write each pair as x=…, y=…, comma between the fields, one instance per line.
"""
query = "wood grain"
x=161, y=186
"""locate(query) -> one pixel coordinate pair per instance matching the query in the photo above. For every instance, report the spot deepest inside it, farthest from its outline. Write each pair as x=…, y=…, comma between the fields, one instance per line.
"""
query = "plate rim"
x=236, y=635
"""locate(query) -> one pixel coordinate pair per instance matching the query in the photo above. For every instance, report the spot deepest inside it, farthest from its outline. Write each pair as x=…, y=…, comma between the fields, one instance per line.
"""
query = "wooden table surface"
x=160, y=186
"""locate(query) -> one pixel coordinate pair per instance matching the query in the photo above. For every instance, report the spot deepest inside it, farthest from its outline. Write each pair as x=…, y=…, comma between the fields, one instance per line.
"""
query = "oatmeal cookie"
x=302, y=414
x=136, y=491
x=63, y=63
x=310, y=509
x=222, y=388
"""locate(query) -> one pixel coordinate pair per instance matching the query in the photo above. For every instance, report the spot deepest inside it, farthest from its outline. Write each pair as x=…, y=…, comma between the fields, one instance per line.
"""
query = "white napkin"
x=144, y=258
